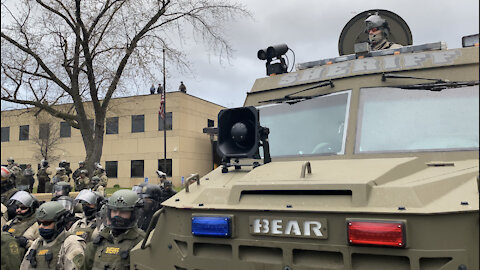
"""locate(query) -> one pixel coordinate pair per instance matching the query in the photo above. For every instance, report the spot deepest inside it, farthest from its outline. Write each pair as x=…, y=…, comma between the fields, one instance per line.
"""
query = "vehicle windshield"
x=311, y=127
x=399, y=120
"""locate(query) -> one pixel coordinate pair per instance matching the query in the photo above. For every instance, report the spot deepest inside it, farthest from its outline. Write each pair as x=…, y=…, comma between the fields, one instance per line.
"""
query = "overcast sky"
x=311, y=28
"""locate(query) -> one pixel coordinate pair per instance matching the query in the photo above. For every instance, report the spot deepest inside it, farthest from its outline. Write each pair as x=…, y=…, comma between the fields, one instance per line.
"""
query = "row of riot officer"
x=53, y=235
x=24, y=179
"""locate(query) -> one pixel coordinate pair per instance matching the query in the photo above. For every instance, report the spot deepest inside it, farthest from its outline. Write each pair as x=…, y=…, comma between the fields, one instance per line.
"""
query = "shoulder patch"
x=13, y=246
x=78, y=261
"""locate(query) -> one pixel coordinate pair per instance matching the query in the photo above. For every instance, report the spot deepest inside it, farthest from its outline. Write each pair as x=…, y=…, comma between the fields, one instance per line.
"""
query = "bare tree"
x=56, y=51
x=46, y=137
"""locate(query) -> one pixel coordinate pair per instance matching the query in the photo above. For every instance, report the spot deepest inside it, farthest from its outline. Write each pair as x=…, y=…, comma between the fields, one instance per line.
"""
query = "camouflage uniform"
x=55, y=248
x=111, y=249
x=43, y=177
x=11, y=252
x=66, y=252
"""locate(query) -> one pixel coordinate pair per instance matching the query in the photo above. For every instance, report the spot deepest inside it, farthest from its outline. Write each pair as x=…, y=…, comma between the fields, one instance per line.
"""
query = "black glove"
x=22, y=241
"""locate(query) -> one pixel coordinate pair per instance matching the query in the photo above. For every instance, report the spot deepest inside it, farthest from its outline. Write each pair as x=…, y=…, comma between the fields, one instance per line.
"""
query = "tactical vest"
x=20, y=226
x=42, y=174
x=85, y=232
x=110, y=255
x=41, y=257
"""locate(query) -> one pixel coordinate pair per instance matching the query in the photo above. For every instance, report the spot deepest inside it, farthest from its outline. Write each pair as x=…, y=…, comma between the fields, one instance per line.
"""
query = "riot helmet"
x=88, y=198
x=138, y=188
x=61, y=189
x=152, y=196
x=167, y=185
x=122, y=210
x=23, y=200
x=48, y=213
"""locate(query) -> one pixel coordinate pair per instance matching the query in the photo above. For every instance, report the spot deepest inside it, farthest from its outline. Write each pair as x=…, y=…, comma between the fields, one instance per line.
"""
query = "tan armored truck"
x=370, y=161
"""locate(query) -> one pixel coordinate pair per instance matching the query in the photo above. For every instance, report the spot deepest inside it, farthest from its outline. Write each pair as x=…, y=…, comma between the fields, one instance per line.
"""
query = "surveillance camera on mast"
x=276, y=51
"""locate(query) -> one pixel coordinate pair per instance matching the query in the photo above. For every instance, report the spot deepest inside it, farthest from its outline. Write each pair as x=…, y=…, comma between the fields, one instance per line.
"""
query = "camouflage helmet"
x=10, y=159
x=85, y=172
x=376, y=21
x=95, y=179
x=50, y=211
x=124, y=199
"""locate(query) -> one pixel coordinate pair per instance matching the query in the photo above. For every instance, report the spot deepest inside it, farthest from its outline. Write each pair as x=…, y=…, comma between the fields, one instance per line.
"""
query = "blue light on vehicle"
x=220, y=226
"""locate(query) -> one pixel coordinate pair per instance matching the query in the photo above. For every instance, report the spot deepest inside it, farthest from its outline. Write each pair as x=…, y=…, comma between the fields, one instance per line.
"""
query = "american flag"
x=161, y=112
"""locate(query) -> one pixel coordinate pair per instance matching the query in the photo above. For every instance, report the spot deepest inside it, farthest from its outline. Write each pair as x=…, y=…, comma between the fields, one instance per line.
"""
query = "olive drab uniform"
x=108, y=252
x=43, y=176
x=87, y=229
x=7, y=195
x=82, y=183
x=67, y=251
x=23, y=226
x=12, y=253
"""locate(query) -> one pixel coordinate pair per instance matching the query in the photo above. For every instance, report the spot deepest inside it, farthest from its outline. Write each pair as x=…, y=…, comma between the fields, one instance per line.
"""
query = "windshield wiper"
x=386, y=76
x=439, y=86
x=290, y=99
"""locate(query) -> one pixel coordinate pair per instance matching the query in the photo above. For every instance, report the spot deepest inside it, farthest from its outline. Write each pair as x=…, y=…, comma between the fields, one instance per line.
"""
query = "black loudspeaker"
x=238, y=132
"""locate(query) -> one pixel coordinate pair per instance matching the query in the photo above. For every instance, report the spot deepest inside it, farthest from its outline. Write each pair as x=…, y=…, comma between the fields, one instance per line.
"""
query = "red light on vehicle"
x=379, y=233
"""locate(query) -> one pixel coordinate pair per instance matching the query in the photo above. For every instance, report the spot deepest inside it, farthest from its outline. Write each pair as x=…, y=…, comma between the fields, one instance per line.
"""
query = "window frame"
x=5, y=132
x=169, y=121
x=169, y=166
x=136, y=119
x=63, y=124
x=132, y=168
x=20, y=132
x=108, y=169
x=108, y=123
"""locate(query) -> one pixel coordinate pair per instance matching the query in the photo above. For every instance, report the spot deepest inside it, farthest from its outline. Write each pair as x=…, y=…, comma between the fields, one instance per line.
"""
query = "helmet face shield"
x=121, y=219
x=22, y=197
x=67, y=203
x=86, y=196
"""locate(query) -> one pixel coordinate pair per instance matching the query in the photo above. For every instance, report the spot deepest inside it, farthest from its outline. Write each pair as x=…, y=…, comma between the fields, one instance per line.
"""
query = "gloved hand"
x=22, y=241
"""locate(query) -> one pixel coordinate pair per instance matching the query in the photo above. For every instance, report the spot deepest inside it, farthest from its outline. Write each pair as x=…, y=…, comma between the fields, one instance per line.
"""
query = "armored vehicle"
x=370, y=161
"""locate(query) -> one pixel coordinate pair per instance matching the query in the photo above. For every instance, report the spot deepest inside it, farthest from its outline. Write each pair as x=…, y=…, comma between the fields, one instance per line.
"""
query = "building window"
x=24, y=132
x=137, y=168
x=210, y=123
x=161, y=166
x=138, y=123
x=5, y=134
x=112, y=125
x=111, y=168
x=65, y=130
x=44, y=131
x=168, y=121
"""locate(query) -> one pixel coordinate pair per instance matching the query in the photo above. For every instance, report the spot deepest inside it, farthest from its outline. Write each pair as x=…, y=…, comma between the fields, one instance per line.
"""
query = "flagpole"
x=164, y=116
